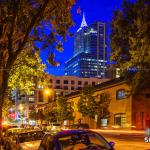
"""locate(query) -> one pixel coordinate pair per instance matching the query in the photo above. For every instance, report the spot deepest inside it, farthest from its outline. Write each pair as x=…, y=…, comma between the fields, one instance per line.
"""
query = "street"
x=127, y=141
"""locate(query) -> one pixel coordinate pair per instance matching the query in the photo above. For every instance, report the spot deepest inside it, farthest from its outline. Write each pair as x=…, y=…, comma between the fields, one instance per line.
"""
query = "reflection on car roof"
x=69, y=132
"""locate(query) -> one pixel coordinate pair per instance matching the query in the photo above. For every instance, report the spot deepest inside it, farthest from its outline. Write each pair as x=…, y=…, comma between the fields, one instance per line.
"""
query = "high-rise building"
x=90, y=57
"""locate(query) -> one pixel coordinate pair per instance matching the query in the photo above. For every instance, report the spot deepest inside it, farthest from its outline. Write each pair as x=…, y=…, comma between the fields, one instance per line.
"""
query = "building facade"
x=126, y=111
x=90, y=55
x=42, y=96
x=63, y=85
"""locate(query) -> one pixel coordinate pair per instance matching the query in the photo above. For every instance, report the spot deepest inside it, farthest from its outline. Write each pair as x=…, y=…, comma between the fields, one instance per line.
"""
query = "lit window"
x=120, y=94
x=40, y=87
x=104, y=122
x=32, y=93
x=31, y=99
x=120, y=120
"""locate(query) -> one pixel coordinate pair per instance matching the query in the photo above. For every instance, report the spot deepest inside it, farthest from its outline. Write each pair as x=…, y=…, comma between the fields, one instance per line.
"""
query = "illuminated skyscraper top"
x=83, y=23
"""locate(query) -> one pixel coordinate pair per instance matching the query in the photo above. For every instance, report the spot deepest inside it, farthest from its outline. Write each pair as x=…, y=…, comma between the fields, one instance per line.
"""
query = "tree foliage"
x=65, y=110
x=33, y=114
x=89, y=106
x=26, y=72
x=130, y=41
x=40, y=24
x=40, y=115
x=52, y=115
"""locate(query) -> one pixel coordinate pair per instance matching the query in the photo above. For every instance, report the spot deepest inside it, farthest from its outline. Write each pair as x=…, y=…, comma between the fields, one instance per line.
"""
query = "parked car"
x=53, y=128
x=25, y=141
x=6, y=127
x=79, y=126
x=9, y=134
x=75, y=140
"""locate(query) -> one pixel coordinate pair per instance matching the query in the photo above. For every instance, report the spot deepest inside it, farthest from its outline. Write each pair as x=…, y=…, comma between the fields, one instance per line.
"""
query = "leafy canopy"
x=65, y=110
x=27, y=72
x=130, y=41
x=89, y=106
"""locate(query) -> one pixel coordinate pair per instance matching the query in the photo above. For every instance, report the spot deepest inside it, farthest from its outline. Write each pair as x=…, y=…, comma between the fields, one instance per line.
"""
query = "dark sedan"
x=75, y=140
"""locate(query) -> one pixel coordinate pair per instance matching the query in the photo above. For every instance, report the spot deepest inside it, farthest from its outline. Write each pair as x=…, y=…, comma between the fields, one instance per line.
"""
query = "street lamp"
x=48, y=91
x=20, y=107
x=21, y=113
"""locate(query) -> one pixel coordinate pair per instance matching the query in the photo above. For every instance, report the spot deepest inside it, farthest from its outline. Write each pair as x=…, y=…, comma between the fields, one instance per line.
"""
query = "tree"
x=87, y=104
x=52, y=114
x=50, y=111
x=33, y=114
x=40, y=115
x=102, y=107
x=65, y=110
x=27, y=72
x=24, y=23
x=130, y=42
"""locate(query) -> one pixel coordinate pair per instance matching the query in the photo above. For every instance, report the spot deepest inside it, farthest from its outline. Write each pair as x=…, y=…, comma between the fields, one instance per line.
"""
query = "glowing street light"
x=21, y=107
x=48, y=91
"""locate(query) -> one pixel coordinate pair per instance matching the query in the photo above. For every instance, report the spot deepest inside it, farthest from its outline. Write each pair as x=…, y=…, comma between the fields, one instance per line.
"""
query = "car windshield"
x=30, y=136
x=88, y=141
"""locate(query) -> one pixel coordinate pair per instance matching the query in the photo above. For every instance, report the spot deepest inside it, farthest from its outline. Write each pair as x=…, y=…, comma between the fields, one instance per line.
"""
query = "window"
x=57, y=87
x=51, y=81
x=65, y=81
x=120, y=94
x=72, y=88
x=79, y=88
x=93, y=83
x=79, y=82
x=32, y=93
x=86, y=83
x=72, y=82
x=58, y=81
x=120, y=120
x=47, y=143
x=104, y=97
x=40, y=86
x=104, y=122
x=40, y=96
x=31, y=99
x=65, y=87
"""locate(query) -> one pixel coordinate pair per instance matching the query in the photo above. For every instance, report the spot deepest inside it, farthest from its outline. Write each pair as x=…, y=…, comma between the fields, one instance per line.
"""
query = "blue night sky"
x=95, y=10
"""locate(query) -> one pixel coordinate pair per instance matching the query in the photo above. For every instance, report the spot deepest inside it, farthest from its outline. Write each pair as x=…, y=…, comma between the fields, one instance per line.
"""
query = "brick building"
x=126, y=111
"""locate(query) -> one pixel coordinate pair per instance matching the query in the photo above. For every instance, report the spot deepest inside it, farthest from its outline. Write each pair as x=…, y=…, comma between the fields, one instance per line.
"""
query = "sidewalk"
x=132, y=132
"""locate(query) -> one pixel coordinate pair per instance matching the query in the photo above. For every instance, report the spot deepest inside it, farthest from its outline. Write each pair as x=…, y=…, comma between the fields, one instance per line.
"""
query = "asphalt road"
x=127, y=141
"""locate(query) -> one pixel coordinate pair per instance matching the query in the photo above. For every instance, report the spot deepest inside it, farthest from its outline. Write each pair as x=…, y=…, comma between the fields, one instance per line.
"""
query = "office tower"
x=89, y=58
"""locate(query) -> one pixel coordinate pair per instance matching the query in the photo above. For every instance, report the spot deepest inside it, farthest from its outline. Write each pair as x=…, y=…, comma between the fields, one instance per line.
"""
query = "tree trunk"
x=4, y=74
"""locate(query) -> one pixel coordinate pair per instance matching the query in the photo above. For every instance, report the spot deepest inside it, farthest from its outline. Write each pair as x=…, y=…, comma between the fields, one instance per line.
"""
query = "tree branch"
x=33, y=21
x=10, y=35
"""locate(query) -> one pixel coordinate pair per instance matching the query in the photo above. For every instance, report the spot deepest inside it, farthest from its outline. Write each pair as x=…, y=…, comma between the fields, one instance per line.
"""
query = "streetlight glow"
x=20, y=107
x=48, y=91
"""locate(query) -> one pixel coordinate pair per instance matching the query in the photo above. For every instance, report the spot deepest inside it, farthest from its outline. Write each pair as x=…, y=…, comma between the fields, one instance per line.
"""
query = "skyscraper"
x=89, y=59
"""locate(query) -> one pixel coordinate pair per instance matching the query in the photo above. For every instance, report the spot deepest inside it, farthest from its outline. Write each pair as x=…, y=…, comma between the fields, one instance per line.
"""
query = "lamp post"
x=20, y=110
x=48, y=92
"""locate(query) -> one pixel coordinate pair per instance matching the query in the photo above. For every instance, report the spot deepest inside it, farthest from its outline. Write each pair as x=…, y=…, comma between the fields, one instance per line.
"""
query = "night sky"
x=95, y=10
